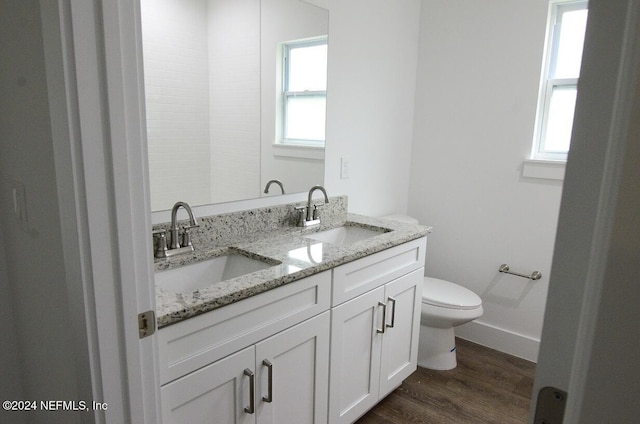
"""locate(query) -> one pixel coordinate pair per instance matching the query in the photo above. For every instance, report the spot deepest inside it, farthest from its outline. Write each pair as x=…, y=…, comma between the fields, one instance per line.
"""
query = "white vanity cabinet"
x=375, y=330
x=323, y=349
x=277, y=371
x=282, y=379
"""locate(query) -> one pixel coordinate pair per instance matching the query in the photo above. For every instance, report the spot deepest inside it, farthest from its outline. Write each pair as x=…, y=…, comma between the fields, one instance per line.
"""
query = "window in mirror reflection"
x=304, y=92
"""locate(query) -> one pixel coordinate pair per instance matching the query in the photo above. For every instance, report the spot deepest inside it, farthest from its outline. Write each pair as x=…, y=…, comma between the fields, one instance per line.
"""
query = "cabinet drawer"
x=358, y=277
x=196, y=342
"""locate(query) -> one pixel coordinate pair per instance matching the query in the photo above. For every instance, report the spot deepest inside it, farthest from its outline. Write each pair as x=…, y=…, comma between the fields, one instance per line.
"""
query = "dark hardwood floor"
x=487, y=386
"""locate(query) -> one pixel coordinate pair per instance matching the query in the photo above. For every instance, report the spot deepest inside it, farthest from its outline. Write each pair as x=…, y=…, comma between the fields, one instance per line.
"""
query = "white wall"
x=371, y=84
x=478, y=76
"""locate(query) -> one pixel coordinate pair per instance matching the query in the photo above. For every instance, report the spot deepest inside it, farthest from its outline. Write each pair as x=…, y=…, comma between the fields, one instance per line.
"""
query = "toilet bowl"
x=445, y=305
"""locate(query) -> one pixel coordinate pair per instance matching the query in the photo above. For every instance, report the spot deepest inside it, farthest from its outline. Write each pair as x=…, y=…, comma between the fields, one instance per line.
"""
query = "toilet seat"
x=445, y=294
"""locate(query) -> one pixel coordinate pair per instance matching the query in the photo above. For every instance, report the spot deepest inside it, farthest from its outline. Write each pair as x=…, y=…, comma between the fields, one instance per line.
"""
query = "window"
x=559, y=84
x=304, y=92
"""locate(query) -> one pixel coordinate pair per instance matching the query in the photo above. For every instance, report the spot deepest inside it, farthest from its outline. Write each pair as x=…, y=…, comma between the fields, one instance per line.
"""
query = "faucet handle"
x=316, y=212
x=160, y=243
x=186, y=235
x=302, y=211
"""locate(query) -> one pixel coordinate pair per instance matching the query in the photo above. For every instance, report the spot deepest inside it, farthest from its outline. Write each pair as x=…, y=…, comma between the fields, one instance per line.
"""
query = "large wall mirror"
x=221, y=102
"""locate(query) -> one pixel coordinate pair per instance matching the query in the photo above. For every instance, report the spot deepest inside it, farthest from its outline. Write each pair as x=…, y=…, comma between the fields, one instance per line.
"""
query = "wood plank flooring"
x=487, y=386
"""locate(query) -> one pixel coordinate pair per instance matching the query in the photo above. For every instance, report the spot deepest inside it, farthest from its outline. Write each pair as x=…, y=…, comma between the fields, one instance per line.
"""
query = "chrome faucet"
x=266, y=188
x=176, y=246
x=309, y=214
x=186, y=235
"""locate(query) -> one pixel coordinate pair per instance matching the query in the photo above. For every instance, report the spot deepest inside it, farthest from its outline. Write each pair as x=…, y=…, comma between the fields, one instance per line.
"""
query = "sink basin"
x=347, y=234
x=189, y=278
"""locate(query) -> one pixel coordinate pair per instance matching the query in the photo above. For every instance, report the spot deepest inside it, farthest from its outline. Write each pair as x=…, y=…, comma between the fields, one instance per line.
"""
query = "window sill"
x=544, y=169
x=298, y=151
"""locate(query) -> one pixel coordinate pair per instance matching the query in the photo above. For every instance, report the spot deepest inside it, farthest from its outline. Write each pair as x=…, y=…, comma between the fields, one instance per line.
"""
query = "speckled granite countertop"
x=296, y=256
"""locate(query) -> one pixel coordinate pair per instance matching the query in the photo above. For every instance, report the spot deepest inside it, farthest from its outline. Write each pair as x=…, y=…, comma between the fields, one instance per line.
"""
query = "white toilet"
x=445, y=305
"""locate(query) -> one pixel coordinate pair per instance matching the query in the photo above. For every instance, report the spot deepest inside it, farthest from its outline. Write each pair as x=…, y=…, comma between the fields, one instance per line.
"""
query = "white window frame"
x=547, y=85
x=286, y=93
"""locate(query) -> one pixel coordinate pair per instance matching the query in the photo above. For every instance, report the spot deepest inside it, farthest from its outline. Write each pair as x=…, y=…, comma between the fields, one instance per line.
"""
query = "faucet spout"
x=313, y=189
x=193, y=222
x=278, y=182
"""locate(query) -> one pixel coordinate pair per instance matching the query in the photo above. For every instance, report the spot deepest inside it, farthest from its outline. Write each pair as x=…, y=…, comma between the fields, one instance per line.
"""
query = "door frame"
x=586, y=348
x=93, y=56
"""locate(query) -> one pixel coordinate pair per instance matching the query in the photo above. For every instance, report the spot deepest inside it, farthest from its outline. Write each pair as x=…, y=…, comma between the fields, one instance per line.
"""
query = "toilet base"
x=437, y=348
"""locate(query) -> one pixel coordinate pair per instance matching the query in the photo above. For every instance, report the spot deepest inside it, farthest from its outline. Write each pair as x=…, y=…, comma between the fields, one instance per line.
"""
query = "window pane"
x=560, y=119
x=308, y=68
x=570, y=43
x=305, y=118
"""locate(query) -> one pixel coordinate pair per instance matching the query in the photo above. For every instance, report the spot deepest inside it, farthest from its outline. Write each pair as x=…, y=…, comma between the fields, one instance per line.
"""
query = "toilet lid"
x=446, y=294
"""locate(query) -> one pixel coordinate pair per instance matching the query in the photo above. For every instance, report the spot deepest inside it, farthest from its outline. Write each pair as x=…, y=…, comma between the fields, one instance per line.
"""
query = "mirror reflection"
x=235, y=98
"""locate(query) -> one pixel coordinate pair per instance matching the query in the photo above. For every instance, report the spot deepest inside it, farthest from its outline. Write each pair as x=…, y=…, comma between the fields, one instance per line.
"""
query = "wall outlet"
x=345, y=165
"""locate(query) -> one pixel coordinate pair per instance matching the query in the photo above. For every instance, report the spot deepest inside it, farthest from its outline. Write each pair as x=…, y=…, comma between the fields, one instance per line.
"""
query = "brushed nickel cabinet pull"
x=393, y=312
x=269, y=397
x=384, y=317
x=252, y=391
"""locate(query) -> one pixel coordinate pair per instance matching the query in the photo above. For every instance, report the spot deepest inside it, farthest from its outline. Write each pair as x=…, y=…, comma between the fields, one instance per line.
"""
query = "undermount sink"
x=189, y=278
x=347, y=234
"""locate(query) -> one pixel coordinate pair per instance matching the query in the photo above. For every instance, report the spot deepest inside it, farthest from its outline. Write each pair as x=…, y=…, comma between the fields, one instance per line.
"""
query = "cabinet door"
x=403, y=297
x=217, y=393
x=355, y=356
x=298, y=360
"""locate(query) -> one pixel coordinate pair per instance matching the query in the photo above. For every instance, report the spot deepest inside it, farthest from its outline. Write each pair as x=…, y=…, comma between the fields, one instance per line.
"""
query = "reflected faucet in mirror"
x=179, y=243
x=310, y=215
x=278, y=182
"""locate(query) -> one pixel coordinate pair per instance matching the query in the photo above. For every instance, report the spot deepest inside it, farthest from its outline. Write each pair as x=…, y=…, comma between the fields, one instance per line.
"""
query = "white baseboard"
x=500, y=339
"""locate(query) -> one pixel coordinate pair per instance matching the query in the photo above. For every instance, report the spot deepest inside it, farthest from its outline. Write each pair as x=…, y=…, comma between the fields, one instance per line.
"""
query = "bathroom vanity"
x=320, y=335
